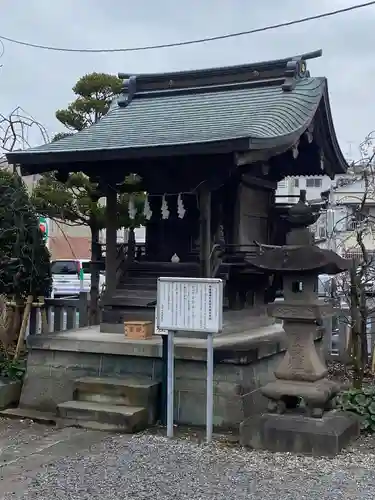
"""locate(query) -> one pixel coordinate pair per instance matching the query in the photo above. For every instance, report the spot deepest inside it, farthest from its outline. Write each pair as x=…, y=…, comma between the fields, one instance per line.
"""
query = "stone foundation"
x=293, y=433
x=243, y=363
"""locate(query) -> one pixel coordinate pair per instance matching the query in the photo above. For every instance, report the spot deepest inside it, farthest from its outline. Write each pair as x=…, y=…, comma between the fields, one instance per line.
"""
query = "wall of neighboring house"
x=347, y=197
x=347, y=194
x=288, y=189
x=69, y=242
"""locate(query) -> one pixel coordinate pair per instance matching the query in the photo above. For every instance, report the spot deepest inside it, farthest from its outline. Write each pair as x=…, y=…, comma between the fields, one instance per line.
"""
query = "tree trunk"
x=356, y=321
x=364, y=315
x=95, y=277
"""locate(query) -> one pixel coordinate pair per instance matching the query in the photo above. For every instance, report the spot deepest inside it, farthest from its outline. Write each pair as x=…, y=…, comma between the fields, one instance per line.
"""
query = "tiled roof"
x=261, y=114
x=265, y=106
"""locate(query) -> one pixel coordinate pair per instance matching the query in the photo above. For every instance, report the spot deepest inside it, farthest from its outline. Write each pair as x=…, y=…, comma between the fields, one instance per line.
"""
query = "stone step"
x=169, y=270
x=135, y=284
x=156, y=275
x=143, y=294
x=163, y=267
x=119, y=314
x=140, y=278
x=121, y=300
x=127, y=391
x=91, y=415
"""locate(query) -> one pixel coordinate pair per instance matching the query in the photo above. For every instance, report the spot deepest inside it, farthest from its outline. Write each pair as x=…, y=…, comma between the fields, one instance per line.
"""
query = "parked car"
x=72, y=276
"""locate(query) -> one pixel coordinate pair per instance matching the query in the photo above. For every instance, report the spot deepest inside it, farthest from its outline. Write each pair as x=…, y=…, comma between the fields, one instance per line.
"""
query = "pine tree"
x=73, y=198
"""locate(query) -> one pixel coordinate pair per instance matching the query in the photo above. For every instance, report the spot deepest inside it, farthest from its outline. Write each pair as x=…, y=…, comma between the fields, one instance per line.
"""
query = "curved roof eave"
x=337, y=156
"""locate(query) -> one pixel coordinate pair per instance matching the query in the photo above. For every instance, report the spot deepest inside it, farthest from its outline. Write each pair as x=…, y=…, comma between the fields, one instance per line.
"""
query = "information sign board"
x=190, y=304
x=157, y=330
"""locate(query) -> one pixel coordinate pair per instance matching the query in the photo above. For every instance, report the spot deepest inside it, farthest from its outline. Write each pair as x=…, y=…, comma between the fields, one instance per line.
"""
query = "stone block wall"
x=51, y=374
x=236, y=391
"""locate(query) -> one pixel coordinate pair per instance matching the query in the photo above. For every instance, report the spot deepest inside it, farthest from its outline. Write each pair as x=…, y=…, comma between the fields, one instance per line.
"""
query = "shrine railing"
x=127, y=250
x=60, y=314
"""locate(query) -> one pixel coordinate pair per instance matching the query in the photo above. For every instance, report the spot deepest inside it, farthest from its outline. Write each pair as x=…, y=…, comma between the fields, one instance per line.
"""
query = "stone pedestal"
x=296, y=433
x=301, y=375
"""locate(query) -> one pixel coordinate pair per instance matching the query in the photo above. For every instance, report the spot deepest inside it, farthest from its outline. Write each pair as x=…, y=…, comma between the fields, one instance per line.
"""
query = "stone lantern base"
x=294, y=433
x=318, y=396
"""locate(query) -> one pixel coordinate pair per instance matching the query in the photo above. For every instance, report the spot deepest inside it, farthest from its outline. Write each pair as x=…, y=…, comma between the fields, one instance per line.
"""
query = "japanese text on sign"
x=190, y=304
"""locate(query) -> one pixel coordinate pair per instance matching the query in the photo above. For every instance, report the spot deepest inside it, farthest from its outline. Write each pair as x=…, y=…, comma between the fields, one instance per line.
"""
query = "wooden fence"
x=62, y=314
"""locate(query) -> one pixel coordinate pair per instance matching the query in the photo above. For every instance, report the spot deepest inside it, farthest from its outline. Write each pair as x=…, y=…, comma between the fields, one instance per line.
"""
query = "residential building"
x=289, y=188
x=288, y=191
x=337, y=228
x=347, y=199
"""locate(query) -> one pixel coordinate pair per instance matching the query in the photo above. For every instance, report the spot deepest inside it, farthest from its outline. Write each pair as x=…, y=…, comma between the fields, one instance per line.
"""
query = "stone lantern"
x=301, y=400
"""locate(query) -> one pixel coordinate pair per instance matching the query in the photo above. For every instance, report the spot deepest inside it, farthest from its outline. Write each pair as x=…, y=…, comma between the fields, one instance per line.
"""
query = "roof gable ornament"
x=310, y=132
x=128, y=90
x=295, y=151
x=296, y=69
x=322, y=161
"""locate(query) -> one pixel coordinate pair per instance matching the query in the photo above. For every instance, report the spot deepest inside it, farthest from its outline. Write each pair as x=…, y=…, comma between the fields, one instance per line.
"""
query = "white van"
x=72, y=276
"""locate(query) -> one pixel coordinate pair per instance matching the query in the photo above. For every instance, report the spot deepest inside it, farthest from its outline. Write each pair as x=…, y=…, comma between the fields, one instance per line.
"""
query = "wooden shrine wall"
x=253, y=207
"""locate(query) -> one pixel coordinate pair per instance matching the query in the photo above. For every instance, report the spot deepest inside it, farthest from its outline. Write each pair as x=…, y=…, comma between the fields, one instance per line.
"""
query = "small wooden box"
x=138, y=330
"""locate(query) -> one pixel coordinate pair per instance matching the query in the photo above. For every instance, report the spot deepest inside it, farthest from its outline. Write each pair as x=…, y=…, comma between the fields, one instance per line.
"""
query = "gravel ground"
x=109, y=467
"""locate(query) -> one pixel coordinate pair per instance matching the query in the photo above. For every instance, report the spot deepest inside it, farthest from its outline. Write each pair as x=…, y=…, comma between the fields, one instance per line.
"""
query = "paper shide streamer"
x=164, y=208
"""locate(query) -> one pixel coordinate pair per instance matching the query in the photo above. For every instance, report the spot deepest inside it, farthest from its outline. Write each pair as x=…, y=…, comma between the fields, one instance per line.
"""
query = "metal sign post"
x=170, y=384
x=190, y=305
x=210, y=387
x=164, y=374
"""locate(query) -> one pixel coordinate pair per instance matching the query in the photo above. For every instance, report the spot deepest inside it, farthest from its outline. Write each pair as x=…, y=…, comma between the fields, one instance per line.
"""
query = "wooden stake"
x=25, y=319
x=43, y=314
x=373, y=361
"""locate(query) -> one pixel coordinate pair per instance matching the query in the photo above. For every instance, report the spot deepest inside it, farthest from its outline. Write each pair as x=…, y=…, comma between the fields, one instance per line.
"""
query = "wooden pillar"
x=111, y=240
x=205, y=231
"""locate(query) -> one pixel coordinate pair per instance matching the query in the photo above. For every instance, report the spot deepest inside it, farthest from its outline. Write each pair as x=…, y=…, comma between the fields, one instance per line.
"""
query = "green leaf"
x=371, y=408
x=94, y=93
x=21, y=238
x=365, y=424
x=361, y=410
x=368, y=391
x=360, y=399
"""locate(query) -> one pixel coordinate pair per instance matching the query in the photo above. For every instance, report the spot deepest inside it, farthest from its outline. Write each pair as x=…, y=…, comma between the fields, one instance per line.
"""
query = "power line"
x=192, y=42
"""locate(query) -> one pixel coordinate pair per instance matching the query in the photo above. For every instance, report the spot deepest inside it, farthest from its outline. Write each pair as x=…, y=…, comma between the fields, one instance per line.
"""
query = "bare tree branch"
x=19, y=130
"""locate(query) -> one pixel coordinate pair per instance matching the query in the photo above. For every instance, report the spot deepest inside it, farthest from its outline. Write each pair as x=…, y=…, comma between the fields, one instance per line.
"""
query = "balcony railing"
x=353, y=225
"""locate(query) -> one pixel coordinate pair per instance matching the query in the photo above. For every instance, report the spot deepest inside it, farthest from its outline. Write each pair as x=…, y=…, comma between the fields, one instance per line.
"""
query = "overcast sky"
x=40, y=81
